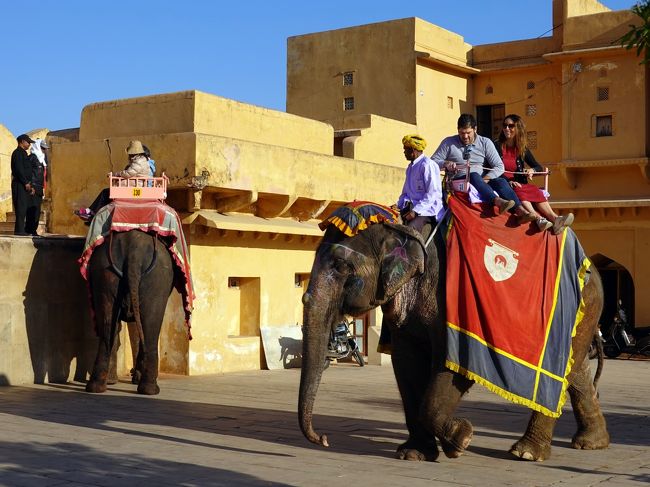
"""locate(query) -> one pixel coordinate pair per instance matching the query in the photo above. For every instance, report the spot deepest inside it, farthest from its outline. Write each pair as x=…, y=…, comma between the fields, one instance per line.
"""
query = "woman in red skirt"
x=512, y=148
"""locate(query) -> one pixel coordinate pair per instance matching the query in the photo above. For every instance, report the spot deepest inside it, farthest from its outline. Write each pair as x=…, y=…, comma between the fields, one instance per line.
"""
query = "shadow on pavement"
x=41, y=464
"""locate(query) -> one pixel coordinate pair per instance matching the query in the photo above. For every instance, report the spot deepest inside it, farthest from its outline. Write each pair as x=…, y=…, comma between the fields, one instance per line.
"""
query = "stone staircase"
x=7, y=227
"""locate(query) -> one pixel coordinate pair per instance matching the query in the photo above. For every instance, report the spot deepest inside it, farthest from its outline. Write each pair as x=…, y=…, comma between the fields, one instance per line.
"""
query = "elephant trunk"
x=316, y=330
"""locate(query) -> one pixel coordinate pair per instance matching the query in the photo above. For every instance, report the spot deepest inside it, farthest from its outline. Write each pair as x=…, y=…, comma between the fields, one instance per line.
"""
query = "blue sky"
x=60, y=56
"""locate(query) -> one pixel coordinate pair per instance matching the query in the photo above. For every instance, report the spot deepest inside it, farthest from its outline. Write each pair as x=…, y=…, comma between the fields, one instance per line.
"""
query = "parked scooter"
x=618, y=340
x=342, y=344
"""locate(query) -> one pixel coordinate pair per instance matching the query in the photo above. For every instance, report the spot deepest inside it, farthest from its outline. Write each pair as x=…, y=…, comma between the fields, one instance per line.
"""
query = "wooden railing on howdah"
x=145, y=188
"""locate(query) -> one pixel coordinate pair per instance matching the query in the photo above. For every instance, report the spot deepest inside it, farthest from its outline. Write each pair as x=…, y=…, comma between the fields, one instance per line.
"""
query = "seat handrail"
x=466, y=165
x=138, y=187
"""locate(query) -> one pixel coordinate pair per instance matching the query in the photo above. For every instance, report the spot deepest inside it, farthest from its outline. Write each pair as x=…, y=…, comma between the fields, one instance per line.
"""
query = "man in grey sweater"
x=480, y=153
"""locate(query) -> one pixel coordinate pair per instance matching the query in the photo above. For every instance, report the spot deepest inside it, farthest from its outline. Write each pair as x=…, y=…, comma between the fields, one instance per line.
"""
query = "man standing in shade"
x=21, y=182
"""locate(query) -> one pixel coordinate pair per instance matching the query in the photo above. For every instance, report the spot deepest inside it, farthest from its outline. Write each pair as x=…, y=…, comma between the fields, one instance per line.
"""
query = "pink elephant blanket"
x=148, y=217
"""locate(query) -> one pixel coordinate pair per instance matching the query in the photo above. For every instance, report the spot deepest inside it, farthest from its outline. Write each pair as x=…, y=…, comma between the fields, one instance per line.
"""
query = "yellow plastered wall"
x=383, y=51
x=377, y=139
x=215, y=115
x=195, y=111
x=225, y=321
x=81, y=170
x=588, y=23
x=7, y=146
x=218, y=344
x=442, y=92
x=45, y=328
x=628, y=245
x=511, y=89
x=576, y=8
x=625, y=81
x=436, y=118
x=246, y=165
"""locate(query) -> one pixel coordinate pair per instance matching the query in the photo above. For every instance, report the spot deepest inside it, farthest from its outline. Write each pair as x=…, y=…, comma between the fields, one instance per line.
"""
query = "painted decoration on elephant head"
x=500, y=261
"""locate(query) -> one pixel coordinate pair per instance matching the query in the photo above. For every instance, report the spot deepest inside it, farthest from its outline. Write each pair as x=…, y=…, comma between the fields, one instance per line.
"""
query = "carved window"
x=602, y=93
x=450, y=102
x=531, y=136
x=348, y=103
x=489, y=90
x=604, y=126
x=348, y=78
x=530, y=85
x=531, y=110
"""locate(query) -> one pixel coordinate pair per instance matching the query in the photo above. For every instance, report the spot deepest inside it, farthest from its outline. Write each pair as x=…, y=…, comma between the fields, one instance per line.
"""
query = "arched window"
x=488, y=90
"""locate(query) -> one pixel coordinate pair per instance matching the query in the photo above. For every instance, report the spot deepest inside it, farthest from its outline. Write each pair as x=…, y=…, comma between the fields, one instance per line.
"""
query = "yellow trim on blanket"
x=582, y=271
x=556, y=290
x=501, y=392
x=536, y=368
x=580, y=314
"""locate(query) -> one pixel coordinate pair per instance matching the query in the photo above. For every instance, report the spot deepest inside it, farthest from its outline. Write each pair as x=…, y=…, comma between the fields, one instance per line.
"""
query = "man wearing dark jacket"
x=21, y=182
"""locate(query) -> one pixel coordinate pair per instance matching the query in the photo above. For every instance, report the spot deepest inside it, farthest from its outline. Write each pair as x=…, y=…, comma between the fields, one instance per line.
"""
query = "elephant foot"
x=457, y=437
x=136, y=376
x=596, y=439
x=95, y=386
x=112, y=376
x=418, y=451
x=149, y=389
x=527, y=450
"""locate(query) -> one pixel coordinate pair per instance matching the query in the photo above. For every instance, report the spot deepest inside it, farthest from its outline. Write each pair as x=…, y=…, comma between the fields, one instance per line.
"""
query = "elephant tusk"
x=306, y=298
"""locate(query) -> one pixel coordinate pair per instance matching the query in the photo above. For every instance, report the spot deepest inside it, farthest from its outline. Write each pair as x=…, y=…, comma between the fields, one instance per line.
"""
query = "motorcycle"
x=618, y=340
x=342, y=345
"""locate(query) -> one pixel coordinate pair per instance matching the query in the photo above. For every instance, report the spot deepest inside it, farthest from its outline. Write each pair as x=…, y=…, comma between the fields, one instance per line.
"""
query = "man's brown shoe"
x=524, y=216
x=561, y=222
x=503, y=205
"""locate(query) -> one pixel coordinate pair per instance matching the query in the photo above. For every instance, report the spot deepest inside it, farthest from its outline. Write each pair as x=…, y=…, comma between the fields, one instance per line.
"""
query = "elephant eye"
x=341, y=266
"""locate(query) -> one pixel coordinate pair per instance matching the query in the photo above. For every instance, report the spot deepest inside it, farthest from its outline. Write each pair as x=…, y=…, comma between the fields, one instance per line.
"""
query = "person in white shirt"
x=421, y=199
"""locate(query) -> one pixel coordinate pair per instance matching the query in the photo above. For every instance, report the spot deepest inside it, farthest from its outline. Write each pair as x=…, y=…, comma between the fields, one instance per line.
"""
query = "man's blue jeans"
x=486, y=190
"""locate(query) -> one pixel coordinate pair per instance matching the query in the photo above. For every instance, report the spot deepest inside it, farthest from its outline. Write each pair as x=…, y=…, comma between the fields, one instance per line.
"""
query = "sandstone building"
x=251, y=184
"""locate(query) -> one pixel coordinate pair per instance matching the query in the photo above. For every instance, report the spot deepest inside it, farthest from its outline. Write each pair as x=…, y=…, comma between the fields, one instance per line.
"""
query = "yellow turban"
x=415, y=142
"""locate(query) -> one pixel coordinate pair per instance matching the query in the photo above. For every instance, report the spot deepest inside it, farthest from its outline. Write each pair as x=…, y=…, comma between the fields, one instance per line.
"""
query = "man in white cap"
x=38, y=161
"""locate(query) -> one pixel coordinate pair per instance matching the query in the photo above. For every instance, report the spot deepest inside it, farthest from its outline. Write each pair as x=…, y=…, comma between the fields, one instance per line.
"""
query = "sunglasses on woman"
x=509, y=125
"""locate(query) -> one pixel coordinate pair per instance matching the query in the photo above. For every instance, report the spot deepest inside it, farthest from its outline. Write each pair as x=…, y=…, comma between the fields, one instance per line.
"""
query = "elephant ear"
x=403, y=256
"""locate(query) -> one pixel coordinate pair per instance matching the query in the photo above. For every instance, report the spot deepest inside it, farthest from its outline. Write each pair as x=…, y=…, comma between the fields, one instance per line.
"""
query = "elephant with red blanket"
x=131, y=277
x=387, y=265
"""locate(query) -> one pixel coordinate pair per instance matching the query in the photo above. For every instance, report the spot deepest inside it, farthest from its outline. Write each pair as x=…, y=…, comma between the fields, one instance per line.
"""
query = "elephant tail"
x=134, y=275
x=601, y=358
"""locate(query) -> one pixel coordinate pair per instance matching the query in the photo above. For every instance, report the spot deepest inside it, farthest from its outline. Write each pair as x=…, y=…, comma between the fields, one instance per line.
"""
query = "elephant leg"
x=412, y=367
x=440, y=402
x=99, y=375
x=592, y=430
x=136, y=355
x=112, y=363
x=152, y=317
x=535, y=444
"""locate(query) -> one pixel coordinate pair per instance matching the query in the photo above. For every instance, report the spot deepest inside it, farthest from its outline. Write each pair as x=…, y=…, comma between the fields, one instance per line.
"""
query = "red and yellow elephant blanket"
x=149, y=217
x=514, y=300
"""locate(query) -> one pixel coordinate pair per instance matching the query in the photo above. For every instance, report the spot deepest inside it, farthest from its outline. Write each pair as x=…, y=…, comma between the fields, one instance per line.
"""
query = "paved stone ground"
x=241, y=429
